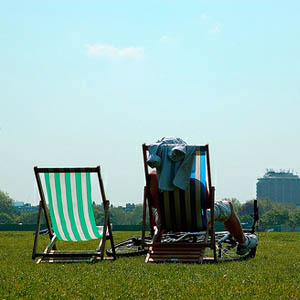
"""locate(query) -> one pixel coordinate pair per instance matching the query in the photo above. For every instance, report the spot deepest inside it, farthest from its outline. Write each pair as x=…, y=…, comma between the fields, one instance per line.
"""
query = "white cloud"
x=215, y=29
x=204, y=16
x=164, y=38
x=215, y=26
x=114, y=52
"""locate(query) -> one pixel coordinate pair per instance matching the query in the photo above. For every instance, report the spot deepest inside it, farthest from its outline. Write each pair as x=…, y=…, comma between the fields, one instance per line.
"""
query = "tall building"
x=280, y=186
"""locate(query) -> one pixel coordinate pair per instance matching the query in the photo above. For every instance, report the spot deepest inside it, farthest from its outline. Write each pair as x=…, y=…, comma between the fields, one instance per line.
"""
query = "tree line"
x=270, y=213
x=118, y=216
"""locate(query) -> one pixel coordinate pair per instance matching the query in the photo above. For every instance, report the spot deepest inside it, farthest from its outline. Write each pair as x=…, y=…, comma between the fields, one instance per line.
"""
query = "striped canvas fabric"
x=186, y=210
x=70, y=206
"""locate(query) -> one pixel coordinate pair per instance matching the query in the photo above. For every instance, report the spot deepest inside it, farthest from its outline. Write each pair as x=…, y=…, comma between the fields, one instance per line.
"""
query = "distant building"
x=129, y=207
x=280, y=186
x=18, y=204
x=24, y=207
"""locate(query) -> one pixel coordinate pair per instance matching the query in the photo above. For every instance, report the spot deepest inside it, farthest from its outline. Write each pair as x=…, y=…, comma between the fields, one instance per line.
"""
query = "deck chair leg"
x=144, y=217
x=213, y=236
x=37, y=231
x=103, y=240
x=48, y=248
x=51, y=244
x=202, y=251
x=112, y=244
x=155, y=236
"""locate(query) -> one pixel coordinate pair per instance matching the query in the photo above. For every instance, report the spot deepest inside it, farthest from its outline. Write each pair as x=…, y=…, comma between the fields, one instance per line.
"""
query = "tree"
x=6, y=203
x=246, y=208
x=99, y=214
x=5, y=218
x=28, y=218
x=276, y=217
x=246, y=219
x=135, y=217
x=294, y=217
x=118, y=216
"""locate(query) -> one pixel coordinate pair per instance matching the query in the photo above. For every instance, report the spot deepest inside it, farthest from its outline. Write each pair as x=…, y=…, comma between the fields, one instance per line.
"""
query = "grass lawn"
x=273, y=274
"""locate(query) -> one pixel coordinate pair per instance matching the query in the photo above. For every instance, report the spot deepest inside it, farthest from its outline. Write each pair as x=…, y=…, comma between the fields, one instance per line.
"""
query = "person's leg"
x=233, y=225
x=224, y=212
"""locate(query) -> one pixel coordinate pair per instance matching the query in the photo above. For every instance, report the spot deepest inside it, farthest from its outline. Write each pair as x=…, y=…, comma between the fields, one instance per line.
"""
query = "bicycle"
x=226, y=245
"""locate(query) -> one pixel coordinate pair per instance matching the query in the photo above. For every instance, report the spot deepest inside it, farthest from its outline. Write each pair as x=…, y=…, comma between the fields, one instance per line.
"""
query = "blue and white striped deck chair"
x=185, y=210
x=182, y=211
x=69, y=214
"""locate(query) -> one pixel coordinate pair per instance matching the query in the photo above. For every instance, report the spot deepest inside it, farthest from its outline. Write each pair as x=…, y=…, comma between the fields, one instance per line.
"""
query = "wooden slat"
x=175, y=252
x=179, y=245
x=169, y=256
x=71, y=260
x=70, y=254
x=185, y=260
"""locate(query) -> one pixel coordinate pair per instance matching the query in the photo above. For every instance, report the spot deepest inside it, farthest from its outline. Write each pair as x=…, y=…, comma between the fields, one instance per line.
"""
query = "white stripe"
x=197, y=167
x=44, y=188
x=55, y=207
x=75, y=206
x=65, y=205
x=86, y=206
x=197, y=188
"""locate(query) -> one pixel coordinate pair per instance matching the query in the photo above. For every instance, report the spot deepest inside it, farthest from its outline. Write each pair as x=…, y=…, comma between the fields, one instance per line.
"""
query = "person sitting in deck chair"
x=162, y=159
x=224, y=212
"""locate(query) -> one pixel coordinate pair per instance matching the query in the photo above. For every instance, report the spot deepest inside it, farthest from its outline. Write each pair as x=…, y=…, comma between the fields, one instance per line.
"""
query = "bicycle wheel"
x=130, y=247
x=226, y=246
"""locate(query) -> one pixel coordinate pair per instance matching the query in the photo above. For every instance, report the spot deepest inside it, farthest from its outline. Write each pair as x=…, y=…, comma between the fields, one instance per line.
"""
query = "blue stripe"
x=193, y=204
x=203, y=187
x=193, y=168
x=193, y=196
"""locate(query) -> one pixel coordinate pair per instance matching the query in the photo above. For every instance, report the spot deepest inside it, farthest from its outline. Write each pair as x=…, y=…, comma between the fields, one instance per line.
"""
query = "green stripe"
x=90, y=206
x=198, y=204
x=60, y=206
x=188, y=208
x=178, y=221
x=53, y=220
x=70, y=206
x=80, y=206
x=167, y=209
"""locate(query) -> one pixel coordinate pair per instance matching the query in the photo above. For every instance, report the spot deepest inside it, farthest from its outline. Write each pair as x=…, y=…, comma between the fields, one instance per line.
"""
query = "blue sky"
x=87, y=82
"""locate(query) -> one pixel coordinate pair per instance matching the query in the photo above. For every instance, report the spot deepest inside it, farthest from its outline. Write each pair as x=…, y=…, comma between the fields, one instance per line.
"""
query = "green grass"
x=273, y=274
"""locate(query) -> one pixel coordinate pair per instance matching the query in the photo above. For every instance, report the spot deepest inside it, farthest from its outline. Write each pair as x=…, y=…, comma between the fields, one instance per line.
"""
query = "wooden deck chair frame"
x=51, y=254
x=172, y=252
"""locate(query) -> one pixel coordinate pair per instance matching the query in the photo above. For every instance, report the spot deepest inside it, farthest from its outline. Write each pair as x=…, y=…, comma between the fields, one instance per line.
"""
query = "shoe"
x=249, y=244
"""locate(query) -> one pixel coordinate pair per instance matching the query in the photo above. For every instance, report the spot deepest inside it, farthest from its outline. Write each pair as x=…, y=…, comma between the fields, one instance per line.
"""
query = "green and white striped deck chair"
x=66, y=200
